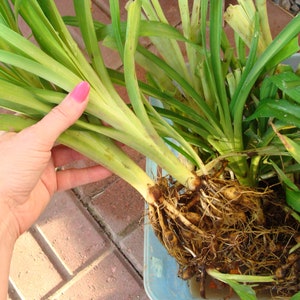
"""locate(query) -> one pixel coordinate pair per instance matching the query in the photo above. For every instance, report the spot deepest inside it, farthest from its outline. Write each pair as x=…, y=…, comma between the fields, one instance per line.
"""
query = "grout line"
x=13, y=291
x=78, y=276
x=108, y=233
x=104, y=7
x=50, y=252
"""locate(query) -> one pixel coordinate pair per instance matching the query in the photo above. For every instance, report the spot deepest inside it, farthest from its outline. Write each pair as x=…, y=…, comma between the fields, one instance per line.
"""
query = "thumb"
x=63, y=115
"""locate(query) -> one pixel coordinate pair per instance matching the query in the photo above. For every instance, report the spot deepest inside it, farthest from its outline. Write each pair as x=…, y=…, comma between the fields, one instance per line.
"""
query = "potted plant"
x=229, y=205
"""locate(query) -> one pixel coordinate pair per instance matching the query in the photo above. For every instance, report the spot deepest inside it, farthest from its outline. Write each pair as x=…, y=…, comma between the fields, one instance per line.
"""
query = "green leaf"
x=268, y=89
x=154, y=28
x=296, y=296
x=284, y=178
x=148, y=28
x=288, y=83
x=28, y=104
x=239, y=277
x=291, y=190
x=86, y=25
x=200, y=126
x=282, y=40
x=290, y=48
x=284, y=110
x=49, y=69
x=188, y=89
x=285, y=80
x=251, y=59
x=44, y=32
x=245, y=292
x=215, y=31
x=116, y=26
x=291, y=146
x=15, y=123
x=134, y=15
x=293, y=199
x=8, y=16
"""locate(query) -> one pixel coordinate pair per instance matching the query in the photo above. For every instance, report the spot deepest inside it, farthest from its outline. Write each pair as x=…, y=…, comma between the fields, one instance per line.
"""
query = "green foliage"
x=225, y=92
x=46, y=69
x=244, y=291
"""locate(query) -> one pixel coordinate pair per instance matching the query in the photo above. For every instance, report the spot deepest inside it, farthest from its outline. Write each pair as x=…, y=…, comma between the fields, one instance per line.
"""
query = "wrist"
x=9, y=231
x=8, y=237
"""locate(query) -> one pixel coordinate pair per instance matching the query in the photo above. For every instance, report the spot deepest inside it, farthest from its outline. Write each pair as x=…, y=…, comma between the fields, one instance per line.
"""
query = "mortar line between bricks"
x=110, y=236
x=50, y=252
x=13, y=291
x=78, y=276
x=102, y=6
x=81, y=203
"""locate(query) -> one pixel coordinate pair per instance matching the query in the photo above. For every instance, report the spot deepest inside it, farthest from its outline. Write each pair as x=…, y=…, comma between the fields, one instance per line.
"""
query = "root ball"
x=229, y=227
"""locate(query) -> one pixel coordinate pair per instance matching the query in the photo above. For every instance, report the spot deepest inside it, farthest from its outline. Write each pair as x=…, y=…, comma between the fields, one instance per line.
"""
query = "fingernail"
x=80, y=92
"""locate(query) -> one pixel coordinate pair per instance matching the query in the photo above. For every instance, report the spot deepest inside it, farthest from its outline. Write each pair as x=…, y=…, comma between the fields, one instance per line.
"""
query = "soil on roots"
x=231, y=228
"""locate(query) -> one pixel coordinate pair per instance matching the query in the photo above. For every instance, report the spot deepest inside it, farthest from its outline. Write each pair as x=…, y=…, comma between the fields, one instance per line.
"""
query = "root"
x=229, y=227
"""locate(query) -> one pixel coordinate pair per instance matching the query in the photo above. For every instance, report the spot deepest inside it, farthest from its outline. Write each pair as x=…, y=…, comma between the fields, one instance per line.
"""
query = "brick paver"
x=105, y=278
x=67, y=255
x=31, y=270
x=79, y=240
x=131, y=247
x=120, y=213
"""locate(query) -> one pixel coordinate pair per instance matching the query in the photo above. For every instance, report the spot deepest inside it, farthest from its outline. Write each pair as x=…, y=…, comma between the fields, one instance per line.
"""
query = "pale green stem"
x=264, y=21
x=239, y=278
x=96, y=147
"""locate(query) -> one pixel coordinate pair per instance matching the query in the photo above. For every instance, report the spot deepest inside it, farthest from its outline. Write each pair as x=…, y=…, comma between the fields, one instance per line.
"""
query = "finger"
x=72, y=178
x=63, y=155
x=62, y=116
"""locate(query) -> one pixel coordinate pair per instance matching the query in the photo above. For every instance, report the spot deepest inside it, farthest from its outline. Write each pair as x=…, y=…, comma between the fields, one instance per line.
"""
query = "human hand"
x=28, y=176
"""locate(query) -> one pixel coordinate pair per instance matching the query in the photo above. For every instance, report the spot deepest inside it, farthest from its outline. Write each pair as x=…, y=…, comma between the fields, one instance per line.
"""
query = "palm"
x=27, y=212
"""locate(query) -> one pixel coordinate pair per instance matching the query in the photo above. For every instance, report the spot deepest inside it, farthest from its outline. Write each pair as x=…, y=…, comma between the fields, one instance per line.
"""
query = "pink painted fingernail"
x=80, y=92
